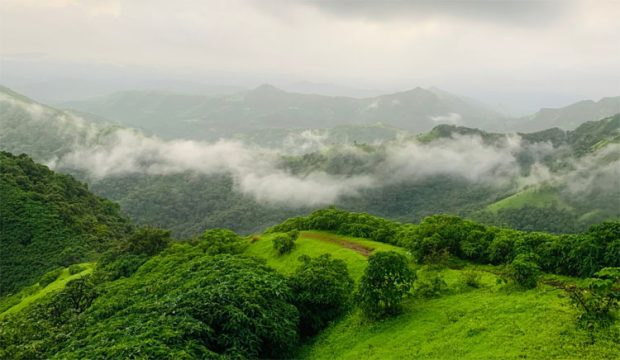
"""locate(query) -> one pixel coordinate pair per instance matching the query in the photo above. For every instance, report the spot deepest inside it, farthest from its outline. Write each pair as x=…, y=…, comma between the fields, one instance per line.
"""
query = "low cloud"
x=258, y=172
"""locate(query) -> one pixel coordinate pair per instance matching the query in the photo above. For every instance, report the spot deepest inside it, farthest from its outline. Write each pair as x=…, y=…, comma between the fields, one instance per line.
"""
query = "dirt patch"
x=360, y=249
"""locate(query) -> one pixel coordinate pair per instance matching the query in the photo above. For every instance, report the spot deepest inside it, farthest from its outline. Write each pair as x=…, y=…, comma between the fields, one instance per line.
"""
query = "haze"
x=517, y=56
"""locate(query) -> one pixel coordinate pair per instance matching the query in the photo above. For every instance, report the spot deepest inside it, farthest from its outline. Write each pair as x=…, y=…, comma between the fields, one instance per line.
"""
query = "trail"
x=360, y=249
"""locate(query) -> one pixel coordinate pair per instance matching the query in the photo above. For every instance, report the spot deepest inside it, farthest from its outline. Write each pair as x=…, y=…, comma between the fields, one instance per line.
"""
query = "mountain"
x=49, y=220
x=172, y=115
x=223, y=296
x=569, y=117
x=575, y=170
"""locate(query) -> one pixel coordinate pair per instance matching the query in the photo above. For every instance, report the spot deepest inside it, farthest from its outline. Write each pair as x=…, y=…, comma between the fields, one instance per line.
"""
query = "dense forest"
x=223, y=295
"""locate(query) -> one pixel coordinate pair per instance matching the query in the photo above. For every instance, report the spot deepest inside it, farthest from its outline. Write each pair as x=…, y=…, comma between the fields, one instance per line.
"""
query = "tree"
x=221, y=241
x=148, y=241
x=524, y=270
x=283, y=243
x=386, y=280
x=322, y=290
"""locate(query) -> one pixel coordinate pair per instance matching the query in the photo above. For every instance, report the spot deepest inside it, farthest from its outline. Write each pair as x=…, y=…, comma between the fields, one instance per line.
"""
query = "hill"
x=214, y=297
x=49, y=220
x=171, y=115
x=569, y=117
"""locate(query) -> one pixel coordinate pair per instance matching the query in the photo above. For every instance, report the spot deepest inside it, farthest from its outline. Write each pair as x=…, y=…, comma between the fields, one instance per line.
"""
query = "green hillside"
x=48, y=220
x=354, y=251
x=490, y=322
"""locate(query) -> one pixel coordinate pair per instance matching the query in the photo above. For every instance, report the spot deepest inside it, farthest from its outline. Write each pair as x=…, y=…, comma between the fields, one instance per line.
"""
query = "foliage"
x=75, y=269
x=471, y=278
x=322, y=290
x=597, y=298
x=48, y=220
x=49, y=277
x=283, y=243
x=386, y=280
x=524, y=271
x=221, y=241
x=147, y=241
x=429, y=285
x=180, y=304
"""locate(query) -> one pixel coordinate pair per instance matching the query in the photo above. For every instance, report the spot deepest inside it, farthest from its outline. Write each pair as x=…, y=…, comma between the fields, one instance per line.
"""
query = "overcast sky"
x=498, y=51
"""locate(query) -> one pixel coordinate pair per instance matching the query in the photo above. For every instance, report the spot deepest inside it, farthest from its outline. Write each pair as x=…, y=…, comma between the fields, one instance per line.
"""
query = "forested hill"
x=48, y=220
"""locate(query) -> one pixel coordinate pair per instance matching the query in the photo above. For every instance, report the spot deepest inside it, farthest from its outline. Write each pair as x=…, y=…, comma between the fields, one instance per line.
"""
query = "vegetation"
x=49, y=220
x=322, y=291
x=386, y=281
x=223, y=296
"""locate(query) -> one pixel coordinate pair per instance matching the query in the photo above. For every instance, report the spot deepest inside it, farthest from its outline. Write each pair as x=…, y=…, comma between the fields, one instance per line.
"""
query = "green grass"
x=491, y=322
x=533, y=196
x=29, y=295
x=315, y=243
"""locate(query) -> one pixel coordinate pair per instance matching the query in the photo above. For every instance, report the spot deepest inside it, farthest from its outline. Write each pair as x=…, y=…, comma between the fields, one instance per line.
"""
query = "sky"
x=520, y=55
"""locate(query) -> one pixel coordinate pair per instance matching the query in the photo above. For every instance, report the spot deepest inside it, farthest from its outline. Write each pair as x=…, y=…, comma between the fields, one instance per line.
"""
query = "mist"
x=258, y=172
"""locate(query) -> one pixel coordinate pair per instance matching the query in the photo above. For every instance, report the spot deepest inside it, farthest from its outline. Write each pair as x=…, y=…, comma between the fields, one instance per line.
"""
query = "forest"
x=127, y=291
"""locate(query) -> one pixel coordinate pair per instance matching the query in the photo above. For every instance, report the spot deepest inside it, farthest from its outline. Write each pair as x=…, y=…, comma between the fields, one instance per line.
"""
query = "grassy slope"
x=534, y=196
x=315, y=243
x=492, y=322
x=27, y=296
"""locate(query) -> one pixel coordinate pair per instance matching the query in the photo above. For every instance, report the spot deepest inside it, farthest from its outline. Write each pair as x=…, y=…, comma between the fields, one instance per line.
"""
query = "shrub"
x=148, y=241
x=597, y=298
x=322, y=290
x=50, y=277
x=115, y=266
x=283, y=243
x=429, y=285
x=386, y=280
x=221, y=241
x=75, y=269
x=524, y=270
x=471, y=278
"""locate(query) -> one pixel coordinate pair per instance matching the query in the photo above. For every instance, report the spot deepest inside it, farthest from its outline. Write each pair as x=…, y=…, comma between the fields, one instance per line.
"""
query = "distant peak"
x=267, y=88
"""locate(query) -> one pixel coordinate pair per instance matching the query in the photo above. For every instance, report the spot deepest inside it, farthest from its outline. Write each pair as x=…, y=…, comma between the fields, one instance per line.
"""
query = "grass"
x=28, y=295
x=533, y=196
x=491, y=322
x=315, y=243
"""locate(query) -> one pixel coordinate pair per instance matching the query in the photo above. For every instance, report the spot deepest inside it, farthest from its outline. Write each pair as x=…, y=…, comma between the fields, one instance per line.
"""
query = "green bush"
x=471, y=278
x=598, y=298
x=524, y=271
x=221, y=241
x=429, y=285
x=75, y=269
x=147, y=241
x=283, y=243
x=322, y=290
x=386, y=281
x=50, y=277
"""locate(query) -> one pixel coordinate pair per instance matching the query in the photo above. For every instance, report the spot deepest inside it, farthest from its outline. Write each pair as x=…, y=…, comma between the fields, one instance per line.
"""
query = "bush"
x=524, y=271
x=322, y=290
x=471, y=278
x=115, y=266
x=147, y=241
x=597, y=298
x=75, y=269
x=221, y=241
x=283, y=243
x=386, y=280
x=429, y=285
x=50, y=277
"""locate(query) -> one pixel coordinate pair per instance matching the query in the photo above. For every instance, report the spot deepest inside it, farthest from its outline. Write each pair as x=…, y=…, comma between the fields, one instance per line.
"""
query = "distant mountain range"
x=174, y=115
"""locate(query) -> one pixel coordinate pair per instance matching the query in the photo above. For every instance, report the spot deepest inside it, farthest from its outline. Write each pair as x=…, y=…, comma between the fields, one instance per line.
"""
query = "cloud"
x=451, y=118
x=258, y=172
x=514, y=12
